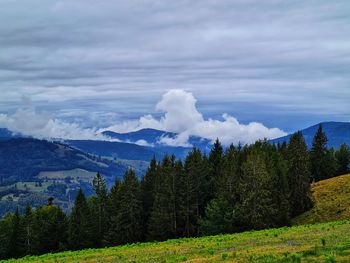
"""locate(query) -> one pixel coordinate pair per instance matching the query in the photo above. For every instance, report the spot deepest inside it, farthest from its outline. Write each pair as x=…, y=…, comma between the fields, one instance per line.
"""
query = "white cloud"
x=181, y=116
x=27, y=121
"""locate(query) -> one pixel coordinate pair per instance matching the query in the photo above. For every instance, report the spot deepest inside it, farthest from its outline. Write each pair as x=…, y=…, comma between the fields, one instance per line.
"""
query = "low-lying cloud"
x=27, y=121
x=182, y=116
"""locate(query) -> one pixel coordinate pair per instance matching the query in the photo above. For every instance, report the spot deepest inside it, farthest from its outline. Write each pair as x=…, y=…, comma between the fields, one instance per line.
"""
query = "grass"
x=332, y=201
x=325, y=242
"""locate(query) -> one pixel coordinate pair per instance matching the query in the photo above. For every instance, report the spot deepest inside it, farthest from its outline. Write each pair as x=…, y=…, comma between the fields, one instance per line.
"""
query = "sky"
x=242, y=69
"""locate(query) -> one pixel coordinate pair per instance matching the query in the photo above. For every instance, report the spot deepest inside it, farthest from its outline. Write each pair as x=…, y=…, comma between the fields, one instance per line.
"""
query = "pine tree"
x=257, y=207
x=320, y=168
x=193, y=188
x=220, y=212
x=215, y=161
x=162, y=222
x=219, y=219
x=5, y=235
x=299, y=174
x=15, y=236
x=128, y=219
x=147, y=191
x=28, y=232
x=50, y=228
x=100, y=203
x=113, y=208
x=281, y=192
x=79, y=224
x=343, y=159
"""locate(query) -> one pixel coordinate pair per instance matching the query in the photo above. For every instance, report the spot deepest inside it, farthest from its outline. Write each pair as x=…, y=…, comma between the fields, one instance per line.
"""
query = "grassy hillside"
x=332, y=201
x=327, y=242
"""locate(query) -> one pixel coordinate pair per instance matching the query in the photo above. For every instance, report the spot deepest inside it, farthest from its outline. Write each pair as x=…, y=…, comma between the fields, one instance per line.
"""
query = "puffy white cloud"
x=182, y=116
x=27, y=121
x=180, y=111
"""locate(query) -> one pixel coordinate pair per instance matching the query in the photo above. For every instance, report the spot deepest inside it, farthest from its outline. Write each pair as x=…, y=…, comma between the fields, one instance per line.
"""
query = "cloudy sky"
x=86, y=65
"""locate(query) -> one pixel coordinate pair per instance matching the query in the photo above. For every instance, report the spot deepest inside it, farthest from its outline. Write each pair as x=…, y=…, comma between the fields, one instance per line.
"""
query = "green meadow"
x=325, y=242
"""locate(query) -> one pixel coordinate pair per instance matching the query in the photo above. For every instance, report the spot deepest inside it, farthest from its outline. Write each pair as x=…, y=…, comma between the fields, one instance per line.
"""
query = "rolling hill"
x=332, y=201
x=33, y=170
x=337, y=133
x=327, y=242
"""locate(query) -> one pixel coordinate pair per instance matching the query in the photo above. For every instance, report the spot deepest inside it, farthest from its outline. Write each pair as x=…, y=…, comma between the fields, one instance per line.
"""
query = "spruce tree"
x=319, y=166
x=147, y=191
x=162, y=222
x=100, y=189
x=15, y=236
x=193, y=190
x=256, y=207
x=215, y=161
x=5, y=236
x=79, y=235
x=298, y=174
x=113, y=208
x=50, y=227
x=128, y=219
x=343, y=159
x=220, y=212
x=28, y=232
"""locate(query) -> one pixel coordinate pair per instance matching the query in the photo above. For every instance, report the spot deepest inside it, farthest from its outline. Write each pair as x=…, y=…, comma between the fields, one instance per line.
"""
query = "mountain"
x=116, y=150
x=24, y=158
x=6, y=134
x=151, y=136
x=337, y=133
x=33, y=170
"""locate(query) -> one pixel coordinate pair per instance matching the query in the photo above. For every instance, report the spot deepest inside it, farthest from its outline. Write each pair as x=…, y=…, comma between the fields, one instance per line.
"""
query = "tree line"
x=229, y=190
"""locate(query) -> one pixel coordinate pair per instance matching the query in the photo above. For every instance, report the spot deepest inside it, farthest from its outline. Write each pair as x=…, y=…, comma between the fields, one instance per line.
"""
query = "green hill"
x=326, y=242
x=332, y=201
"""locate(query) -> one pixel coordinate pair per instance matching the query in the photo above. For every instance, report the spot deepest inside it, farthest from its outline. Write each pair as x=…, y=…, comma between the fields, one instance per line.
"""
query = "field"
x=326, y=242
x=332, y=201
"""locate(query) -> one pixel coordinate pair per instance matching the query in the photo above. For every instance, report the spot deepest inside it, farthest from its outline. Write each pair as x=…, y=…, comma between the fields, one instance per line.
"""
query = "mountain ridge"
x=336, y=132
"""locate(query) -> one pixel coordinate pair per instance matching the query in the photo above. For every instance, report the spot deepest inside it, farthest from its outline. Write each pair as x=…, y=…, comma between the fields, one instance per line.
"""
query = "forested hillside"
x=230, y=190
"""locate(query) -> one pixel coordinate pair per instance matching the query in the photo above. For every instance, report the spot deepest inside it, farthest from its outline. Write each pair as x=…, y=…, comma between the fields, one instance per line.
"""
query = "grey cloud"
x=286, y=55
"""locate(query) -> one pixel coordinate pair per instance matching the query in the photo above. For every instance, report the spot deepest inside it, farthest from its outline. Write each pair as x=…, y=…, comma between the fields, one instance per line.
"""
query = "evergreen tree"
x=299, y=174
x=128, y=219
x=5, y=235
x=219, y=218
x=162, y=222
x=220, y=214
x=193, y=188
x=99, y=204
x=50, y=227
x=257, y=206
x=79, y=224
x=147, y=191
x=15, y=236
x=343, y=159
x=320, y=168
x=113, y=208
x=28, y=232
x=281, y=192
x=215, y=161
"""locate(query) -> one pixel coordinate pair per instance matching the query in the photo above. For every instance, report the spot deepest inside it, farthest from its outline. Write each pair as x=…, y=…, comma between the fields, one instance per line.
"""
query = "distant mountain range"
x=25, y=158
x=32, y=169
x=337, y=134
